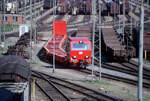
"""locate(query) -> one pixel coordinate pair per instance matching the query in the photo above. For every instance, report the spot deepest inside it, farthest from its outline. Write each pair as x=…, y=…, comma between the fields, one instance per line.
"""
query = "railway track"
x=45, y=16
x=94, y=95
x=49, y=88
x=71, y=19
x=138, y=4
x=113, y=77
x=28, y=6
x=125, y=68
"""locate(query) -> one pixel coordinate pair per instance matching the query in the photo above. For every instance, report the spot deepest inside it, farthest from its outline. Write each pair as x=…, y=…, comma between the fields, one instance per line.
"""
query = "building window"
x=15, y=19
x=5, y=18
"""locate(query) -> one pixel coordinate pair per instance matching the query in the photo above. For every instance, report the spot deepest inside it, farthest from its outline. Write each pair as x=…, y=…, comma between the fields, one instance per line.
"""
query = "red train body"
x=77, y=50
x=60, y=31
x=80, y=51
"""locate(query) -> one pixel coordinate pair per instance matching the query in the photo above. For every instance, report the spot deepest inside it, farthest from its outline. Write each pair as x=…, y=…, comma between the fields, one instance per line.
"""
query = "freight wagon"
x=15, y=76
x=146, y=40
x=113, y=46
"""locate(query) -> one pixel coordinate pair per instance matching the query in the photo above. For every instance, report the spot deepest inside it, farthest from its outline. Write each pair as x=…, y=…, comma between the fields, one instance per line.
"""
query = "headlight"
x=86, y=57
x=74, y=57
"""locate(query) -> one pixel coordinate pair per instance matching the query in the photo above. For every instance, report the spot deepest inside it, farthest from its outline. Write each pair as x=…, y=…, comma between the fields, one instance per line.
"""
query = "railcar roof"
x=14, y=65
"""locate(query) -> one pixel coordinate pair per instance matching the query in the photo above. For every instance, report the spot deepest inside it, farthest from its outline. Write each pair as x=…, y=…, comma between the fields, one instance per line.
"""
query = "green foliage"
x=9, y=27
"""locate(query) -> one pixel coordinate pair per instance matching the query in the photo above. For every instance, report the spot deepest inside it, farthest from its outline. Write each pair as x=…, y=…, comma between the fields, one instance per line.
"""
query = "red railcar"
x=80, y=51
x=60, y=31
x=77, y=50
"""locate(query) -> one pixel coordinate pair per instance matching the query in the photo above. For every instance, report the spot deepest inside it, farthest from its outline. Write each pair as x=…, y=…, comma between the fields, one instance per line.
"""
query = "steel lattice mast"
x=100, y=39
x=93, y=37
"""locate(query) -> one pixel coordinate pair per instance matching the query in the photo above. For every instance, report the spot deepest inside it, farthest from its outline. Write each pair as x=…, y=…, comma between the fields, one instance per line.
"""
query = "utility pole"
x=140, y=61
x=53, y=35
x=93, y=39
x=100, y=40
x=16, y=6
x=31, y=29
x=3, y=21
x=131, y=21
x=147, y=2
x=119, y=18
x=35, y=31
x=25, y=3
x=123, y=21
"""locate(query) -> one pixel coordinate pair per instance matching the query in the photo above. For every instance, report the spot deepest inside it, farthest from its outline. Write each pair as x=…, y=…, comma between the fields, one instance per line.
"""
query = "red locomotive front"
x=80, y=51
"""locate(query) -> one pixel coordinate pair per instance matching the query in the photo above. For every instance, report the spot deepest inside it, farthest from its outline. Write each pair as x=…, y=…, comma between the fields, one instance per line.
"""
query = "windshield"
x=80, y=46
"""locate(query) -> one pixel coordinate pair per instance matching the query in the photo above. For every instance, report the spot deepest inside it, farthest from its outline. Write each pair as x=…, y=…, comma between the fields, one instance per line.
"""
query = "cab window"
x=80, y=46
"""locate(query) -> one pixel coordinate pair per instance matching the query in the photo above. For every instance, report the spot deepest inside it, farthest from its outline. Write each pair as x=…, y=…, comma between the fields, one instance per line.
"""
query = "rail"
x=49, y=86
x=94, y=94
x=128, y=68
